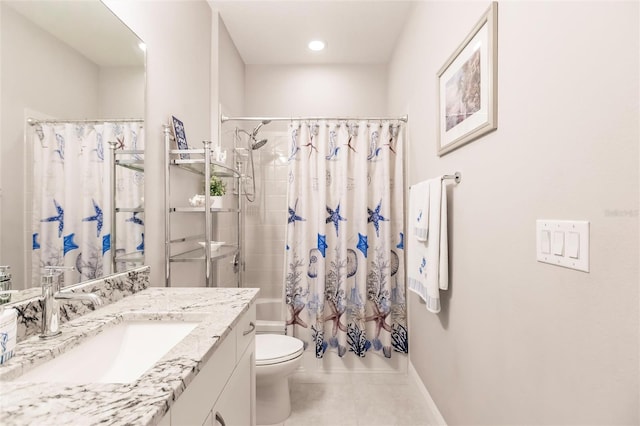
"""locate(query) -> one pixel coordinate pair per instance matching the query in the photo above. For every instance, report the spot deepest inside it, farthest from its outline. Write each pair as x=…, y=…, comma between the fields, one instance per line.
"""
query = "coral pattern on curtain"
x=71, y=220
x=344, y=284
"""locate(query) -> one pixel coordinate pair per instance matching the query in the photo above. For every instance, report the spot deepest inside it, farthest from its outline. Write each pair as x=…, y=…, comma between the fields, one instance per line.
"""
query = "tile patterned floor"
x=356, y=399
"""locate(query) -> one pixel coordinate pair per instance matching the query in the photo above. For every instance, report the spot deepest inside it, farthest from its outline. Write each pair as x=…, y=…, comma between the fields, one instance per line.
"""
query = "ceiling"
x=89, y=27
x=277, y=32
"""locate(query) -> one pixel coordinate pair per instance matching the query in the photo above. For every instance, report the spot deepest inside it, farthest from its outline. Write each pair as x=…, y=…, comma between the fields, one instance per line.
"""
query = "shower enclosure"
x=264, y=220
x=263, y=204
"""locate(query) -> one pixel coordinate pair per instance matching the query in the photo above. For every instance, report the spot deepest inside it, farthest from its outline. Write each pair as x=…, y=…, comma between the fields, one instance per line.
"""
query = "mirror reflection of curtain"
x=72, y=206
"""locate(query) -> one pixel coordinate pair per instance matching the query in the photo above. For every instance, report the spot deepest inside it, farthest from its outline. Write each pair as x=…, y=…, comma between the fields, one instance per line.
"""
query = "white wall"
x=517, y=341
x=43, y=74
x=231, y=100
x=231, y=74
x=299, y=90
x=121, y=92
x=178, y=39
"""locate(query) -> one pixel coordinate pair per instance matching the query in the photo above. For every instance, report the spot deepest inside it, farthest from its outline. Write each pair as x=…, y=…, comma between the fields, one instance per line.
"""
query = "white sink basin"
x=120, y=354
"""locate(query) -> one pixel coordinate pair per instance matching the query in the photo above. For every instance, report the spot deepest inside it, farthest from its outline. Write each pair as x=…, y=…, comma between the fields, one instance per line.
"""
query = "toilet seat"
x=277, y=348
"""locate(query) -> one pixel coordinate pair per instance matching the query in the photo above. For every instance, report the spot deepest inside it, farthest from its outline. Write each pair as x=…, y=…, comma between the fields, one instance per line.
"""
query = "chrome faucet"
x=51, y=294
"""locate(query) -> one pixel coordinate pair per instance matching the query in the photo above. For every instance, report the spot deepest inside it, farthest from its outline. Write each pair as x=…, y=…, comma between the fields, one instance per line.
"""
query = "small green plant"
x=217, y=186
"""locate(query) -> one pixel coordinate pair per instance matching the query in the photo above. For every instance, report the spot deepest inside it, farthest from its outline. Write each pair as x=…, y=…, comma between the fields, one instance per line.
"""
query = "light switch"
x=563, y=243
x=558, y=243
x=545, y=242
x=573, y=245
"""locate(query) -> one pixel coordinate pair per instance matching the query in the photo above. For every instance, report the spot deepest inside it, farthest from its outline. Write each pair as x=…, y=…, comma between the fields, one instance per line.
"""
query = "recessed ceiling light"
x=316, y=45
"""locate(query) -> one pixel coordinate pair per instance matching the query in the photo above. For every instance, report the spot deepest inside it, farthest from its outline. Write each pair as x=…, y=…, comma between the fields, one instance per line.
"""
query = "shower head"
x=258, y=144
x=255, y=130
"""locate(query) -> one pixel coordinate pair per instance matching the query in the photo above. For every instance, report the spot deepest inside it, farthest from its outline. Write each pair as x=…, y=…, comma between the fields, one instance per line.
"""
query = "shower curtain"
x=344, y=283
x=72, y=205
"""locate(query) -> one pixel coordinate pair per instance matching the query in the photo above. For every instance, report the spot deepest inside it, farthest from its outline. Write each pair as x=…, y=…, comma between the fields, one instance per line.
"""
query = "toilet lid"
x=276, y=348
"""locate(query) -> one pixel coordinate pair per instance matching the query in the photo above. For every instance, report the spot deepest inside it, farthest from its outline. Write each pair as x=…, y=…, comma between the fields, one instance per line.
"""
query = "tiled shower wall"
x=266, y=217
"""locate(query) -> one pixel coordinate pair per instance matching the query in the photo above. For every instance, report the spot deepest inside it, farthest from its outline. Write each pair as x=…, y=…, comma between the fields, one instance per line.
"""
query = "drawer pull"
x=252, y=327
x=220, y=419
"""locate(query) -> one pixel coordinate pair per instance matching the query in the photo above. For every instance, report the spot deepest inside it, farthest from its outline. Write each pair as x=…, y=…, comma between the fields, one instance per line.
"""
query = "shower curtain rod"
x=33, y=121
x=404, y=118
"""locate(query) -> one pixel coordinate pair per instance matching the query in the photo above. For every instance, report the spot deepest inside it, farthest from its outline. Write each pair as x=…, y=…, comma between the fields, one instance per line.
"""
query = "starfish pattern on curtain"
x=344, y=286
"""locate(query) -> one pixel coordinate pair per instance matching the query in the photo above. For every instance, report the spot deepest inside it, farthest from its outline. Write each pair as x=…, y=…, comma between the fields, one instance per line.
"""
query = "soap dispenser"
x=5, y=284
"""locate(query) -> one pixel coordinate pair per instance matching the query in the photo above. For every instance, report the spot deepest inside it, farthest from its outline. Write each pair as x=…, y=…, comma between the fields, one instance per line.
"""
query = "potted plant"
x=217, y=189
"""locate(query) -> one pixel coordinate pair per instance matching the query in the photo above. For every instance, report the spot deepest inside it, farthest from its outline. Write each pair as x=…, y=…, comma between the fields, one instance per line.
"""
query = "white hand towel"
x=420, y=210
x=443, y=275
x=428, y=264
x=417, y=249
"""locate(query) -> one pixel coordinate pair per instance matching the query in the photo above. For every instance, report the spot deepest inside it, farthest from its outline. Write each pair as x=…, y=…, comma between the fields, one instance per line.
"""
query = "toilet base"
x=273, y=403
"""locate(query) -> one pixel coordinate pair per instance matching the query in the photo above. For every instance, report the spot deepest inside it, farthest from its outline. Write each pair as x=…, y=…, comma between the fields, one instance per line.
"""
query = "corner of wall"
x=434, y=412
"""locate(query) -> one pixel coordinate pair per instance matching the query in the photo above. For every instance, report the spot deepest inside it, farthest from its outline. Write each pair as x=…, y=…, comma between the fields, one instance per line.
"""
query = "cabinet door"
x=194, y=405
x=235, y=405
x=246, y=329
x=210, y=420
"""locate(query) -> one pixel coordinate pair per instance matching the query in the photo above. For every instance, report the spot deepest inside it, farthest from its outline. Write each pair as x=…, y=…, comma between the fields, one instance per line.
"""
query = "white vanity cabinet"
x=231, y=408
x=223, y=392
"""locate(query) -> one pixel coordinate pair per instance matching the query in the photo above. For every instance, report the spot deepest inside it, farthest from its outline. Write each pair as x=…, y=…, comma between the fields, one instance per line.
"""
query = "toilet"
x=277, y=356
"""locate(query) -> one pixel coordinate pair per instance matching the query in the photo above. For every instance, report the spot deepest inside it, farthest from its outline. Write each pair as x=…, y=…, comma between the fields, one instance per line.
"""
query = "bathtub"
x=270, y=316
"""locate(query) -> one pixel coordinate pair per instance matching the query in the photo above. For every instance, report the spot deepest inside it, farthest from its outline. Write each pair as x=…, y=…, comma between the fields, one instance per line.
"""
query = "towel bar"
x=457, y=176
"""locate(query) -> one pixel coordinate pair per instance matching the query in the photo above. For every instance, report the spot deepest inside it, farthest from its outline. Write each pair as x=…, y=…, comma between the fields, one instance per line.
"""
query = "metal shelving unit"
x=200, y=163
x=132, y=160
x=201, y=210
x=199, y=255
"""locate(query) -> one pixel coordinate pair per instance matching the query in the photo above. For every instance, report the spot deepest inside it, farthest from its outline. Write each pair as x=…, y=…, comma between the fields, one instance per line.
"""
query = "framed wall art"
x=468, y=86
x=181, y=137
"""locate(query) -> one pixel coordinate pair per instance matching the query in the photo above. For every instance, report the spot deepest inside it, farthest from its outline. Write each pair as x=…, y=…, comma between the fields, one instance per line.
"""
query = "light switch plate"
x=545, y=242
x=573, y=244
x=571, y=256
x=558, y=243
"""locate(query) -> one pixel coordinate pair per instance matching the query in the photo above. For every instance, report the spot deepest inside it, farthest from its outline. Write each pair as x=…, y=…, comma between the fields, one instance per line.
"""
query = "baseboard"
x=431, y=405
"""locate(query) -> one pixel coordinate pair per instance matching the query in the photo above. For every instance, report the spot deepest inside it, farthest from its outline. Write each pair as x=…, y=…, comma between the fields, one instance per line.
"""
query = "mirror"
x=68, y=61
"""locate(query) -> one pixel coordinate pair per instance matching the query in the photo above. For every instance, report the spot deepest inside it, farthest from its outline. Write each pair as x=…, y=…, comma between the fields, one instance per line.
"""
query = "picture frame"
x=467, y=86
x=180, y=136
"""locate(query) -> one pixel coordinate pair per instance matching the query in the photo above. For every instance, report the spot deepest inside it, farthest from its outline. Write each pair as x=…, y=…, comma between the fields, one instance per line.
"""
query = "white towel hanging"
x=428, y=261
x=420, y=210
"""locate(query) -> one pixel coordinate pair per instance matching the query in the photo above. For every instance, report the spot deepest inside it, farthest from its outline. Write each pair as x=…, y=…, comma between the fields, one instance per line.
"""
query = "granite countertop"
x=142, y=402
